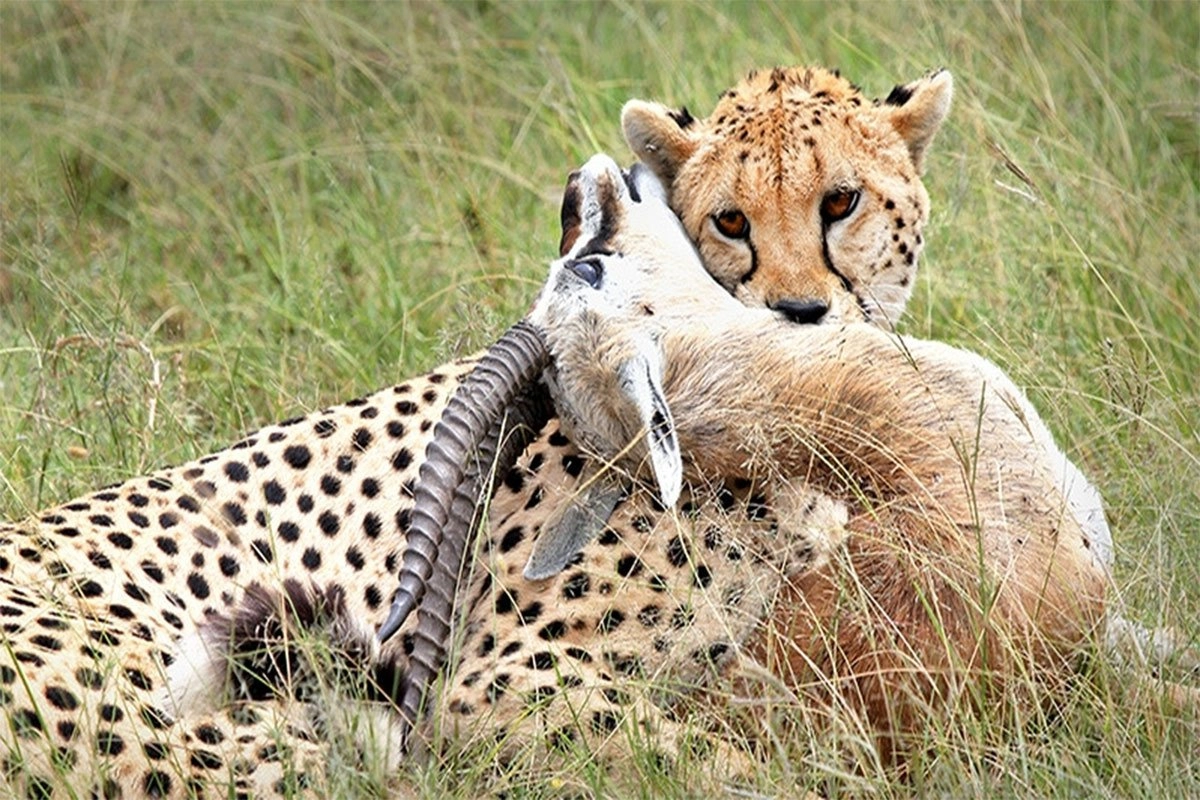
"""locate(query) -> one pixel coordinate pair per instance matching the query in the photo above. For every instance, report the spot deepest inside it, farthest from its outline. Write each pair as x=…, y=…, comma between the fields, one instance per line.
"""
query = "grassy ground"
x=216, y=215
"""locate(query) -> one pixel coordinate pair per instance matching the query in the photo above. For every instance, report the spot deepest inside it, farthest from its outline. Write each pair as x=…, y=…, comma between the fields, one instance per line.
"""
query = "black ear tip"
x=683, y=118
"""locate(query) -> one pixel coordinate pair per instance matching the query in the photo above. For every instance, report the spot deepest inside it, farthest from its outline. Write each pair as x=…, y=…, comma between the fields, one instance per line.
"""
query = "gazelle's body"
x=971, y=545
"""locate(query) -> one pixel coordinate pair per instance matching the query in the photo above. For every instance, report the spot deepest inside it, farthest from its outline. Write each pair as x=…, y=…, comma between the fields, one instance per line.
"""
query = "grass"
x=214, y=215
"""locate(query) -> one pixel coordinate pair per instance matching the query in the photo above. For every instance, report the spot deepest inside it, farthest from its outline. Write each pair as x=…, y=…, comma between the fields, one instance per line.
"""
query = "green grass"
x=275, y=207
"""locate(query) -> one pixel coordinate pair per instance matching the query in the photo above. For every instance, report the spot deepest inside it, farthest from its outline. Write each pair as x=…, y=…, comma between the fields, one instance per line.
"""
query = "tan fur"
x=774, y=146
x=965, y=564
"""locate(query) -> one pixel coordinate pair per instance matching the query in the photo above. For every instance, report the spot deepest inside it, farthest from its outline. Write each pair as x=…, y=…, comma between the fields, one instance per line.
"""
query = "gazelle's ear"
x=640, y=379
x=661, y=137
x=917, y=110
x=579, y=521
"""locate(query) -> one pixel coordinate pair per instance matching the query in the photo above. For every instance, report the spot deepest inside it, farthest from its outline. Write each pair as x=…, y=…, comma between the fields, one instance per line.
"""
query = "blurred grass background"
x=214, y=215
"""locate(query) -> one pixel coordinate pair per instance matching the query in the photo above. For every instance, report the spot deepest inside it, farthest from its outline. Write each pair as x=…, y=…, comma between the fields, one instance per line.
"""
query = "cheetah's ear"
x=916, y=110
x=661, y=137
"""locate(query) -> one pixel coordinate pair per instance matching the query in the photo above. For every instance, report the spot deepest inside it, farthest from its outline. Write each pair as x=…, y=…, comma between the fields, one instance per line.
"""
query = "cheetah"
x=107, y=594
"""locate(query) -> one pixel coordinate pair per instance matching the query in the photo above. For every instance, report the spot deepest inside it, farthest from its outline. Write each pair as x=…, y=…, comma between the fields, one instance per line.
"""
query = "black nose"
x=805, y=311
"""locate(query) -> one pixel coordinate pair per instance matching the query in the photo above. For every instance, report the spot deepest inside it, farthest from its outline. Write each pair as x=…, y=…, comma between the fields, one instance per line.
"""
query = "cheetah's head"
x=800, y=194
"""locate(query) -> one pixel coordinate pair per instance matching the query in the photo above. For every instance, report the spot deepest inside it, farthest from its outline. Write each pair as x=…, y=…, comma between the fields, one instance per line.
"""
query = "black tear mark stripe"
x=846, y=284
x=753, y=264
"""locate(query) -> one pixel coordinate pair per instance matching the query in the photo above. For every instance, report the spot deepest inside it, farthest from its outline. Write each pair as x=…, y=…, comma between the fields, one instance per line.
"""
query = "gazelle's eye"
x=590, y=269
x=838, y=204
x=732, y=224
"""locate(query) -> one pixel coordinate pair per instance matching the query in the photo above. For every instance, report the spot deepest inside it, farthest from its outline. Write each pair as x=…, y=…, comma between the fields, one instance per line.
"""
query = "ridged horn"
x=507, y=438
x=506, y=370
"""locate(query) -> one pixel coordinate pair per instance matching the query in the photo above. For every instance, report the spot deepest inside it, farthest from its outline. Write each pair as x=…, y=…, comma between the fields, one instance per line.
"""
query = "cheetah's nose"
x=804, y=310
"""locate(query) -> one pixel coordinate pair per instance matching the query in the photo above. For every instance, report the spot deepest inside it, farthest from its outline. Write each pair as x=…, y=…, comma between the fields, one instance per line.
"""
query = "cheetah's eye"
x=732, y=224
x=838, y=204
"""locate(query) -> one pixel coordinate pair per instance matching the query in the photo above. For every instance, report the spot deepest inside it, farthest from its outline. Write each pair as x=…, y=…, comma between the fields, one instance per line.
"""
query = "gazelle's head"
x=626, y=270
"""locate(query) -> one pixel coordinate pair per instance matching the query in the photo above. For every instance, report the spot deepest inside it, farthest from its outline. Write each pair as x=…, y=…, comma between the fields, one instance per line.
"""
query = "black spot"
x=541, y=661
x=629, y=566
x=361, y=439
x=604, y=722
x=372, y=526
x=370, y=487
x=344, y=464
x=100, y=560
x=514, y=480
x=237, y=471
x=677, y=552
x=274, y=493
x=305, y=503
x=229, y=566
x=121, y=541
x=401, y=459
x=234, y=513
x=139, y=519
x=155, y=751
x=288, y=531
x=512, y=537
x=682, y=617
x=61, y=698
x=198, y=585
x=530, y=613
x=650, y=616
x=260, y=459
x=535, y=497
x=406, y=407
x=372, y=597
x=156, y=784
x=66, y=729
x=486, y=645
x=297, y=456
x=355, y=558
x=311, y=559
x=553, y=630
x=573, y=465
x=89, y=678
x=329, y=523
x=204, y=759
x=101, y=520
x=88, y=588
x=324, y=428
x=262, y=551
x=108, y=743
x=497, y=687
x=120, y=612
x=608, y=537
x=505, y=602
x=576, y=586
x=610, y=621
x=155, y=718
x=395, y=429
